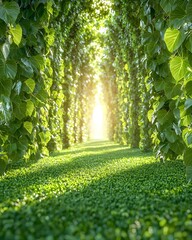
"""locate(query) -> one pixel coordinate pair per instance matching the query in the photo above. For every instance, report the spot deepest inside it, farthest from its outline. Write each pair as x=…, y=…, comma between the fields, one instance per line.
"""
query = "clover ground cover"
x=99, y=191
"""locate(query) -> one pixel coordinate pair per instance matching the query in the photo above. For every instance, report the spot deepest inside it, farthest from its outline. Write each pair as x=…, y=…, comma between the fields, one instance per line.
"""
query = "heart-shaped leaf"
x=16, y=32
x=178, y=67
x=28, y=126
x=9, y=12
x=173, y=39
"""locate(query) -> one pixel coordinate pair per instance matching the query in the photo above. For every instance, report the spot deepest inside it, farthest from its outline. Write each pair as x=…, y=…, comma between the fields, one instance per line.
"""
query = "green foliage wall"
x=45, y=76
x=124, y=37
x=152, y=39
x=152, y=63
x=25, y=78
x=169, y=59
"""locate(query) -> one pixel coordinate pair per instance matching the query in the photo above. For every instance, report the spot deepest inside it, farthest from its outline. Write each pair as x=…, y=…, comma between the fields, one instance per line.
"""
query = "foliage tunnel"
x=51, y=51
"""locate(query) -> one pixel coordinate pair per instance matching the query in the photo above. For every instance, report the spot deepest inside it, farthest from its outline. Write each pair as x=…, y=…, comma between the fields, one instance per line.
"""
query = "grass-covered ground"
x=98, y=191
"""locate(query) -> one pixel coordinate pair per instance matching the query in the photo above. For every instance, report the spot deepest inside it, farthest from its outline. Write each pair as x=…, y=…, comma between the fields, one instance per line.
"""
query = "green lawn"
x=99, y=191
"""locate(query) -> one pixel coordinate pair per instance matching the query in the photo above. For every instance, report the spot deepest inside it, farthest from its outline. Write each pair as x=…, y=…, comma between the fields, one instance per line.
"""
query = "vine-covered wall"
x=45, y=77
x=131, y=126
x=152, y=41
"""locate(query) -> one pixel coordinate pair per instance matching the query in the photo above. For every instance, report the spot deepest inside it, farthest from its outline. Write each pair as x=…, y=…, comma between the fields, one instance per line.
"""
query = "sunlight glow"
x=103, y=30
x=98, y=129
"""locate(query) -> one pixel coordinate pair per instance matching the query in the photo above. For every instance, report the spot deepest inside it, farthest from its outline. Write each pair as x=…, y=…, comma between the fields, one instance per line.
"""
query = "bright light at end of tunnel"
x=97, y=123
x=98, y=128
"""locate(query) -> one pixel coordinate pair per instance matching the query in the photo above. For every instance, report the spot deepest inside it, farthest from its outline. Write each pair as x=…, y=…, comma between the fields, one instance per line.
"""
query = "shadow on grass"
x=124, y=205
x=91, y=147
x=43, y=172
x=76, y=150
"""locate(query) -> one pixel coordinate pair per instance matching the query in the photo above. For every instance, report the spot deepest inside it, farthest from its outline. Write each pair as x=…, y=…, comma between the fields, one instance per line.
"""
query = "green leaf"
x=178, y=13
x=159, y=85
x=9, y=12
x=178, y=67
x=8, y=68
x=187, y=157
x=29, y=108
x=30, y=83
x=150, y=115
x=189, y=10
x=173, y=39
x=161, y=116
x=188, y=103
x=15, y=126
x=188, y=89
x=16, y=33
x=19, y=109
x=27, y=69
x=5, y=49
x=37, y=62
x=164, y=117
x=5, y=87
x=186, y=120
x=3, y=28
x=49, y=7
x=28, y=126
x=170, y=135
x=167, y=6
x=17, y=87
x=160, y=105
x=152, y=48
x=5, y=109
x=189, y=138
x=172, y=90
x=126, y=67
x=189, y=44
x=45, y=137
x=177, y=129
x=177, y=147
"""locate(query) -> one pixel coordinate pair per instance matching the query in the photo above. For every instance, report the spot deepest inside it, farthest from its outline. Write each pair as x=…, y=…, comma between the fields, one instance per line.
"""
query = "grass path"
x=96, y=191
